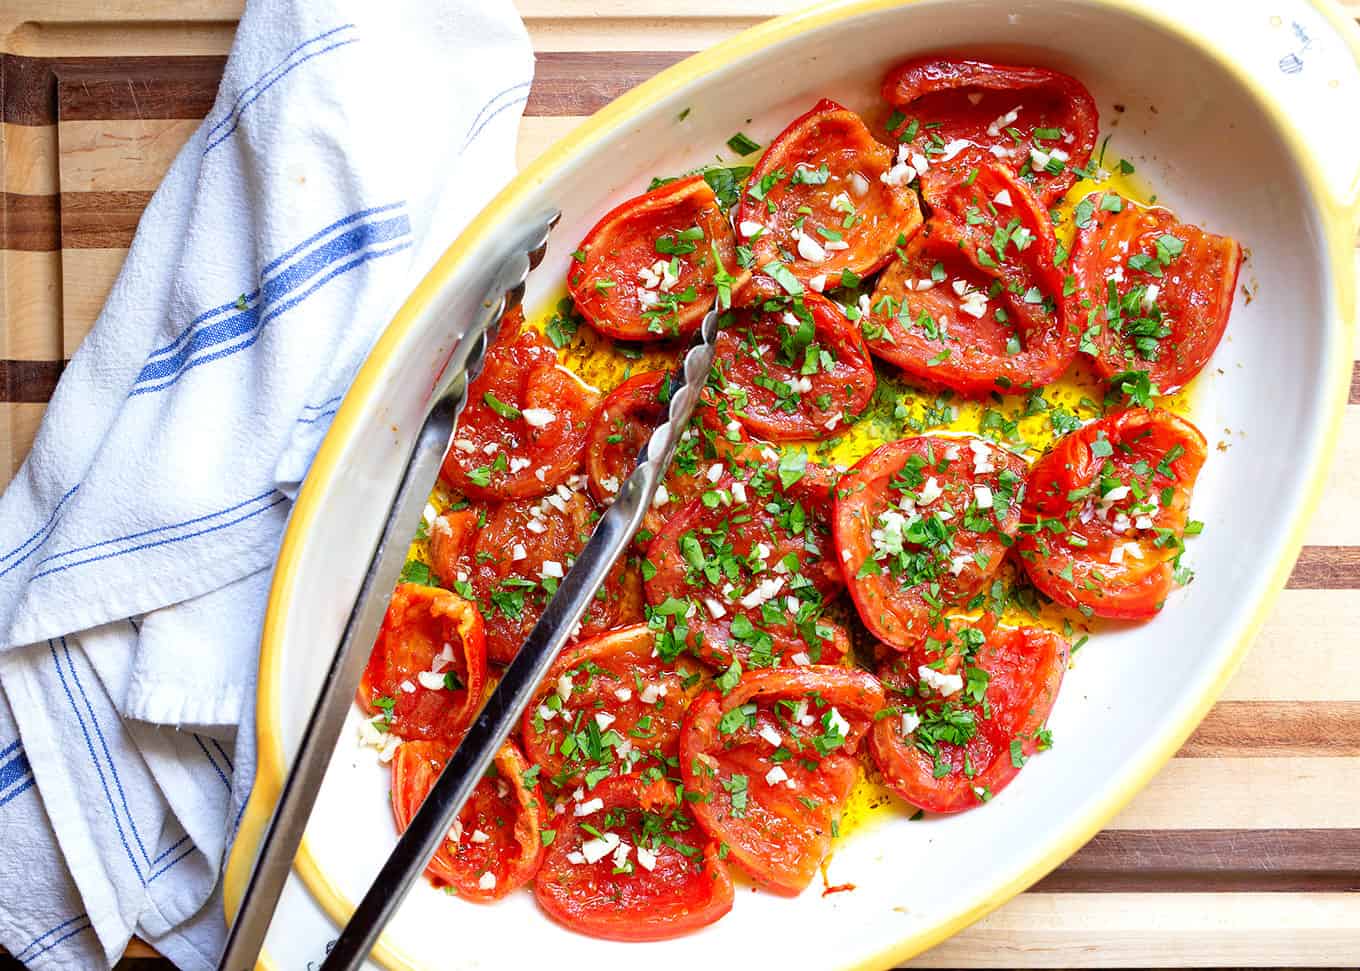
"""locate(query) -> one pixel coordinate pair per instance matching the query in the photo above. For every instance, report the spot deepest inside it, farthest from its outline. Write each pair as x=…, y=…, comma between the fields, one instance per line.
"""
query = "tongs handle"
x=502, y=712
x=286, y=826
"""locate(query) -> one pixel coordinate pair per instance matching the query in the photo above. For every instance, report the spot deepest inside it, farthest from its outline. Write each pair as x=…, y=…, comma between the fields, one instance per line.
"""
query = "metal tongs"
x=430, y=827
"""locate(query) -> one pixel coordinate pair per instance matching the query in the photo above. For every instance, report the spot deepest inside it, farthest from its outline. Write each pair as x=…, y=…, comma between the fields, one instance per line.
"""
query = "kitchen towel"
x=348, y=145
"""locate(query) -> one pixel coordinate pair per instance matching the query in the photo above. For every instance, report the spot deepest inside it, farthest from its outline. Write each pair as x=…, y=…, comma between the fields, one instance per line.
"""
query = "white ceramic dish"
x=1203, y=133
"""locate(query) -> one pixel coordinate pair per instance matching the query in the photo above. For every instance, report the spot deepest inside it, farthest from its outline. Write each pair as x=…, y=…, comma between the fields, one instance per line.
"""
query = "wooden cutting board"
x=1245, y=850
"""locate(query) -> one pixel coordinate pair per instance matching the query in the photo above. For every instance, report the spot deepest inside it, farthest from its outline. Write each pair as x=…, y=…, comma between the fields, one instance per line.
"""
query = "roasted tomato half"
x=427, y=673
x=609, y=706
x=1105, y=513
x=955, y=113
x=771, y=763
x=624, y=423
x=744, y=571
x=494, y=846
x=975, y=303
x=649, y=270
x=921, y=525
x=968, y=710
x=628, y=864
x=794, y=369
x=523, y=431
x=1155, y=293
x=509, y=557
x=817, y=202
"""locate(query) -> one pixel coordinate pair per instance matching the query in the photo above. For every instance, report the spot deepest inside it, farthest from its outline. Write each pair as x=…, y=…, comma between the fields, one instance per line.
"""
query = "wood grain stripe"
x=101, y=220
x=1354, y=398
x=29, y=382
x=117, y=88
x=1275, y=728
x=1327, y=568
x=1212, y=861
x=29, y=223
x=108, y=87
x=583, y=82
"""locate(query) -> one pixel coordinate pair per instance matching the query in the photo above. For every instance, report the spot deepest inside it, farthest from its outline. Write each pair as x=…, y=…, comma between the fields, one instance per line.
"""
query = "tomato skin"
x=485, y=557
x=835, y=136
x=623, y=243
x=520, y=371
x=597, y=670
x=894, y=608
x=847, y=386
x=936, y=90
x=1014, y=339
x=674, y=898
x=777, y=839
x=513, y=855
x=709, y=631
x=628, y=416
x=1194, y=290
x=1136, y=587
x=419, y=622
x=1025, y=667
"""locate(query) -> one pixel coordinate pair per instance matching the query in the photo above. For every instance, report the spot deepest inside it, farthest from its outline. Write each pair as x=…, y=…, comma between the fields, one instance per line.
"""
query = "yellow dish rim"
x=1340, y=217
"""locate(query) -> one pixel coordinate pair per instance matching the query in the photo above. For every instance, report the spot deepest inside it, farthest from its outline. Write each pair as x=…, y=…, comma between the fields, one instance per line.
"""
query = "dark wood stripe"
x=30, y=382
x=107, y=87
x=1212, y=861
x=100, y=220
x=1354, y=398
x=1277, y=728
x=583, y=82
x=42, y=90
x=29, y=223
x=73, y=220
x=1326, y=568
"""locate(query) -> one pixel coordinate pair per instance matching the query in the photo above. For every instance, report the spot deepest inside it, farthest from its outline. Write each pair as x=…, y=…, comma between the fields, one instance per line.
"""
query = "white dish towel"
x=349, y=143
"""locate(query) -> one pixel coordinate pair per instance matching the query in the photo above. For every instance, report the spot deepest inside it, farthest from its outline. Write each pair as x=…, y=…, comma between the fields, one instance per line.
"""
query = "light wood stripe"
x=18, y=426
x=1310, y=631
x=1127, y=930
x=1248, y=793
x=33, y=300
x=125, y=156
x=30, y=159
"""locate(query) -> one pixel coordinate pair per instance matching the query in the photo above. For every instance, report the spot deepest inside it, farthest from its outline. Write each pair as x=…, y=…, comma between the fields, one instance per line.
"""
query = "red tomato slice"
x=799, y=368
x=523, y=430
x=971, y=713
x=817, y=204
x=956, y=113
x=623, y=425
x=975, y=303
x=509, y=557
x=921, y=525
x=427, y=673
x=647, y=270
x=1105, y=512
x=632, y=697
x=744, y=571
x=1160, y=290
x=772, y=763
x=654, y=875
x=494, y=846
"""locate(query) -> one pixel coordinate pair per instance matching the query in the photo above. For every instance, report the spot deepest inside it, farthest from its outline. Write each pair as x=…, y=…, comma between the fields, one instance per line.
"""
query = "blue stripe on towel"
x=94, y=759
x=214, y=339
x=151, y=544
x=215, y=135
